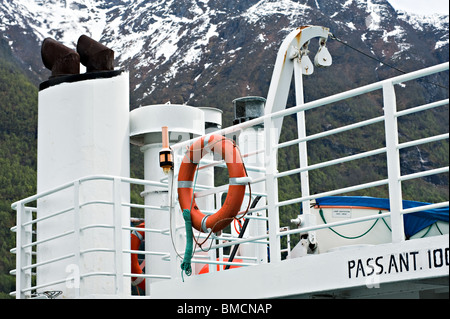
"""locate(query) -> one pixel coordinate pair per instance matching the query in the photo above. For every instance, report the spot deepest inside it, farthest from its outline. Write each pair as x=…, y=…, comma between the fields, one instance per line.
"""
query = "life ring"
x=236, y=190
x=136, y=239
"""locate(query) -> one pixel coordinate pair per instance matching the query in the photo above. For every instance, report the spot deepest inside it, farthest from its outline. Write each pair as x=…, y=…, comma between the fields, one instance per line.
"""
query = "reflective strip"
x=185, y=184
x=135, y=233
x=205, y=145
x=188, y=159
x=137, y=281
x=204, y=224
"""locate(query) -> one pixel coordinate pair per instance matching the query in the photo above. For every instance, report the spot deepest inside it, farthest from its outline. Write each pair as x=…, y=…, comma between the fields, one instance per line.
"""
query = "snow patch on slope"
x=63, y=20
x=271, y=7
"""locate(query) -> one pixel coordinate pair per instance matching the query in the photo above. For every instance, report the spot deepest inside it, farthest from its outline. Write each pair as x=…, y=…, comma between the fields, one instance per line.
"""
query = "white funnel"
x=83, y=129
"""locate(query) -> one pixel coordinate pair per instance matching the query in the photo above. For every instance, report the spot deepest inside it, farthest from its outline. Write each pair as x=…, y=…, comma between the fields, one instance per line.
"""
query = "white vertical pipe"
x=20, y=279
x=251, y=140
x=301, y=129
x=75, y=268
x=121, y=262
x=393, y=162
x=271, y=138
x=174, y=218
x=183, y=122
x=23, y=257
x=155, y=218
x=205, y=177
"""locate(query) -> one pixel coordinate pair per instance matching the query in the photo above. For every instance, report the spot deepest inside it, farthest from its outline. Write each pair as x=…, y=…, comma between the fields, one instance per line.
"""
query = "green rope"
x=355, y=237
x=439, y=230
x=186, y=265
x=347, y=237
x=429, y=228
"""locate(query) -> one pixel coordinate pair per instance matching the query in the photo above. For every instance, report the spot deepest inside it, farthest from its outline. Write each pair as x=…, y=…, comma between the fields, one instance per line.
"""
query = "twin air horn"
x=63, y=61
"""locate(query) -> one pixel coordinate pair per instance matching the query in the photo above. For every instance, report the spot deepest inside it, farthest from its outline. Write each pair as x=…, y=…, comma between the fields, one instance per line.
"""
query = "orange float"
x=136, y=238
x=230, y=153
x=205, y=268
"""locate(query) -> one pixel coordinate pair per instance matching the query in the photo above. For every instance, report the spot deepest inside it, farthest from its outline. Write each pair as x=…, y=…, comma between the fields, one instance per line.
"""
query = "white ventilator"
x=183, y=123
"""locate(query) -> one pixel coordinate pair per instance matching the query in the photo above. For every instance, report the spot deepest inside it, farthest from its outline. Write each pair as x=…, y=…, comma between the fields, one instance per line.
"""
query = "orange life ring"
x=136, y=238
x=236, y=190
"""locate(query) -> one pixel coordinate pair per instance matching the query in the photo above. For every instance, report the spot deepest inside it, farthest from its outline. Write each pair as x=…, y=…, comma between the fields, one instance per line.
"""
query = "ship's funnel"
x=60, y=59
x=94, y=55
x=83, y=133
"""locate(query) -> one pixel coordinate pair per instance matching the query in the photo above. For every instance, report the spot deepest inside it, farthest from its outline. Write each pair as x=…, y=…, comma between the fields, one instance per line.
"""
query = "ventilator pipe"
x=248, y=108
x=94, y=55
x=60, y=59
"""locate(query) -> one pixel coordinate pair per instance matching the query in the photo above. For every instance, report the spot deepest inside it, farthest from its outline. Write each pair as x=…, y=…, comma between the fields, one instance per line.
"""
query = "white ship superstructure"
x=73, y=236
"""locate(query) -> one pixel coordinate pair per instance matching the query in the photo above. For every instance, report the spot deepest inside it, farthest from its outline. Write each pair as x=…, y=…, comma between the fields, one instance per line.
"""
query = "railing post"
x=174, y=261
x=393, y=162
x=19, y=278
x=271, y=137
x=76, y=227
x=117, y=198
x=301, y=129
x=23, y=255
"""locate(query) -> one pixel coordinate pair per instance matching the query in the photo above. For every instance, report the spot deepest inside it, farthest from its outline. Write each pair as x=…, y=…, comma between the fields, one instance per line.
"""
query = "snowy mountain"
x=208, y=52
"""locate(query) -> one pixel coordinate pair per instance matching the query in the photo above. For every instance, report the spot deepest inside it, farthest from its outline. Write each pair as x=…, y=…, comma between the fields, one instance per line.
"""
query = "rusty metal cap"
x=60, y=59
x=94, y=55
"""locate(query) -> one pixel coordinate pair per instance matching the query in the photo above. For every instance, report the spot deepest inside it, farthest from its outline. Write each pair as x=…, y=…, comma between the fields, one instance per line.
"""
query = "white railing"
x=391, y=150
x=26, y=213
x=26, y=229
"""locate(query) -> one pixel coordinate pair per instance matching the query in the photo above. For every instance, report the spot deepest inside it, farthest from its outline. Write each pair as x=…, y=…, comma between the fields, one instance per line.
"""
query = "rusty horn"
x=94, y=55
x=60, y=59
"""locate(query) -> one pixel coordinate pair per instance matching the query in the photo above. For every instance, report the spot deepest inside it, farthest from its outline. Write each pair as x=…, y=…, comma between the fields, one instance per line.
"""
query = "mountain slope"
x=18, y=121
x=179, y=50
x=209, y=52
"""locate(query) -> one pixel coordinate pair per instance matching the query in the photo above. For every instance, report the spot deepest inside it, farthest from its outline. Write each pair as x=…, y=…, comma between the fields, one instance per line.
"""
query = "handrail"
x=26, y=220
x=85, y=179
x=326, y=100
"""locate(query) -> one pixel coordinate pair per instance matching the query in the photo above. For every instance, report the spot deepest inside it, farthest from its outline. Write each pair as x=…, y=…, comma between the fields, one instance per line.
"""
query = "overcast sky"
x=421, y=6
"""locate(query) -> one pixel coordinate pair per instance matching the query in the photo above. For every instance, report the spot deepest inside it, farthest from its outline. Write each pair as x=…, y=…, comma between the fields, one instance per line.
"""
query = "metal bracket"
x=304, y=221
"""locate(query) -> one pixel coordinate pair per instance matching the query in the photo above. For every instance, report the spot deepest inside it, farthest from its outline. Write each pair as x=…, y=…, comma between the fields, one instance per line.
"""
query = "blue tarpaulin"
x=413, y=223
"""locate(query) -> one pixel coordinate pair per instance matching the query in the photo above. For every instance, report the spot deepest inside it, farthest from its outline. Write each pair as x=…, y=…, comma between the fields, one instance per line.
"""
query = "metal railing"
x=26, y=214
x=26, y=229
x=393, y=180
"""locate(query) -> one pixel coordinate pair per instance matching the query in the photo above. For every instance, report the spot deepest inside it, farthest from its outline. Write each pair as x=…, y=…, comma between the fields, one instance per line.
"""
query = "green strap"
x=186, y=265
